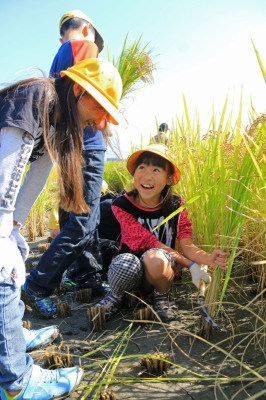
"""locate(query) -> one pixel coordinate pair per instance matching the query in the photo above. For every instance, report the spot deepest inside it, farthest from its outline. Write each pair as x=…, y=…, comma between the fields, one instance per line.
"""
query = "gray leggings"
x=126, y=272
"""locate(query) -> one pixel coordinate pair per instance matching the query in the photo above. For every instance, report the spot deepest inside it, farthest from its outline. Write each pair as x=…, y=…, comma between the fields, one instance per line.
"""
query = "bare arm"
x=191, y=251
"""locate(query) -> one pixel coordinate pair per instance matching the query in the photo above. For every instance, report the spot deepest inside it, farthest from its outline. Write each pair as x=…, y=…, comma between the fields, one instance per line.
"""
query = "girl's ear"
x=77, y=89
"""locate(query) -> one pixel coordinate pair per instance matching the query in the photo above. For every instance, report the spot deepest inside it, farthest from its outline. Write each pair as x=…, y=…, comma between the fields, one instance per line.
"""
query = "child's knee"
x=156, y=265
x=124, y=263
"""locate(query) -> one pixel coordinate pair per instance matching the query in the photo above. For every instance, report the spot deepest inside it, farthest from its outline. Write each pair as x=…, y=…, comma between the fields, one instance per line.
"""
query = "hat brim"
x=99, y=97
x=98, y=40
x=131, y=162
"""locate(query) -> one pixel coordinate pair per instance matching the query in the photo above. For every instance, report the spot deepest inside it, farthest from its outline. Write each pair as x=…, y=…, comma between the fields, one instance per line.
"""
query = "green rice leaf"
x=182, y=207
x=259, y=60
x=254, y=160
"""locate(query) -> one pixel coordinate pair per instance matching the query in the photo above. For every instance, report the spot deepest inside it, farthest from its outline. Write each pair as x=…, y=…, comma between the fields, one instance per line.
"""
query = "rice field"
x=222, y=180
x=223, y=183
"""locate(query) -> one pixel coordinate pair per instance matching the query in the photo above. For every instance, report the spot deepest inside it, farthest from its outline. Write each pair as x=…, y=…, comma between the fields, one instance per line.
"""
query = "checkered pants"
x=126, y=272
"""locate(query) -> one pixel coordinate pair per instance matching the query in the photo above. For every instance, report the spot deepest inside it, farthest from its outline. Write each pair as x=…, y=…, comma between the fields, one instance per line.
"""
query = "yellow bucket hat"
x=101, y=80
x=162, y=151
x=79, y=14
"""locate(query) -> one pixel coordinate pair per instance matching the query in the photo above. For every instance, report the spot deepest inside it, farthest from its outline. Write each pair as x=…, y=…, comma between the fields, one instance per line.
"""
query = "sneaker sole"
x=79, y=378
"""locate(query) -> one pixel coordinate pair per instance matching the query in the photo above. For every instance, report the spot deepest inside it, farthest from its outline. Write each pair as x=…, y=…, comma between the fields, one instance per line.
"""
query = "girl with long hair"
x=42, y=119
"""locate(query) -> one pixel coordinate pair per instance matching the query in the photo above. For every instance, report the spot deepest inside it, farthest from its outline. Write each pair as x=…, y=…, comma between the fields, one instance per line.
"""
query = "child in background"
x=146, y=259
x=163, y=134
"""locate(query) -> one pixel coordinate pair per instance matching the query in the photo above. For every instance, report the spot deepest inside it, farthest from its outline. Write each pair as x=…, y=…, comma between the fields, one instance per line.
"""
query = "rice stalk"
x=31, y=226
x=110, y=366
x=219, y=179
x=235, y=207
x=259, y=61
x=135, y=66
x=36, y=221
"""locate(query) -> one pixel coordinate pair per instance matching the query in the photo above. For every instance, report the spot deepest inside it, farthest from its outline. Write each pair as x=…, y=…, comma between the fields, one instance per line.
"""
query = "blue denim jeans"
x=15, y=364
x=78, y=239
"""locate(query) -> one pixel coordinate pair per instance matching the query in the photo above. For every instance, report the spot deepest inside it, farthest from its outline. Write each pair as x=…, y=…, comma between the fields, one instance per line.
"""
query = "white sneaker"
x=38, y=338
x=47, y=384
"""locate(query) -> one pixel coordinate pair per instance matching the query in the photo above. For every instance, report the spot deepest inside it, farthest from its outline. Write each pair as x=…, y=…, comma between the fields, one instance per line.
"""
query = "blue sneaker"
x=47, y=384
x=43, y=306
x=41, y=337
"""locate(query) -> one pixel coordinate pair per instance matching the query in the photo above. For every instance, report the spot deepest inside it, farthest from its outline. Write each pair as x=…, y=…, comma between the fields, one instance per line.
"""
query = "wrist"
x=210, y=262
x=193, y=262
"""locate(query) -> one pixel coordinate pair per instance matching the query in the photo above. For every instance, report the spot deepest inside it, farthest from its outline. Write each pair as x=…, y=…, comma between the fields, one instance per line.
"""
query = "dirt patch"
x=199, y=370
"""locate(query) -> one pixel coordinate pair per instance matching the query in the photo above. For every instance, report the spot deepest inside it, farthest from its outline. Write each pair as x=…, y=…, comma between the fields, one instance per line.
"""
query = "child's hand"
x=220, y=258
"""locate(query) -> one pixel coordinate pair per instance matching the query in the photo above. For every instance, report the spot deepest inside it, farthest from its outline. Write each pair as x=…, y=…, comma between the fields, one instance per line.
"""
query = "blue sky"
x=203, y=50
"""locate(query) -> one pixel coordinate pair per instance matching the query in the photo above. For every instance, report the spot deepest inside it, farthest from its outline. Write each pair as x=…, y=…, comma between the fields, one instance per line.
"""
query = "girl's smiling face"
x=150, y=178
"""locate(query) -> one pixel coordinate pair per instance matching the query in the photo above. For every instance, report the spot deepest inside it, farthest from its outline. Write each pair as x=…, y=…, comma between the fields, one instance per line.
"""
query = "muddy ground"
x=200, y=370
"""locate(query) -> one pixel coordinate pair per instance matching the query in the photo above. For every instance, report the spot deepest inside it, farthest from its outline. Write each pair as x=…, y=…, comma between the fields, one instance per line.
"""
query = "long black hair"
x=67, y=147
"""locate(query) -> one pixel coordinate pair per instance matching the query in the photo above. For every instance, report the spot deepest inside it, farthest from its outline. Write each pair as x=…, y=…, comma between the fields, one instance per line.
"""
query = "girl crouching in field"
x=146, y=259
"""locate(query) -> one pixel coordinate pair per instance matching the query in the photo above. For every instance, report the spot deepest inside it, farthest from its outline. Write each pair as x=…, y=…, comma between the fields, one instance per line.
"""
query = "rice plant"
x=222, y=179
x=135, y=66
x=223, y=183
x=116, y=175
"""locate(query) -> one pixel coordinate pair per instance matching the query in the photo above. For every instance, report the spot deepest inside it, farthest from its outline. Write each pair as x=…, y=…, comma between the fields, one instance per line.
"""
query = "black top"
x=22, y=108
